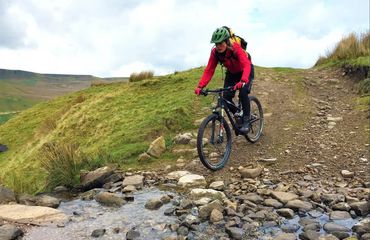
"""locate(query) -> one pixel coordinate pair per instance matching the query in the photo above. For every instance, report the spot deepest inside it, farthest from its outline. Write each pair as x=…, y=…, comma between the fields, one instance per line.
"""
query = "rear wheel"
x=214, y=142
x=256, y=120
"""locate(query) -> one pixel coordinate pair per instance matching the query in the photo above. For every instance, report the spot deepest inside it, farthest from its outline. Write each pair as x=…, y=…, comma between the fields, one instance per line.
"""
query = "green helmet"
x=221, y=34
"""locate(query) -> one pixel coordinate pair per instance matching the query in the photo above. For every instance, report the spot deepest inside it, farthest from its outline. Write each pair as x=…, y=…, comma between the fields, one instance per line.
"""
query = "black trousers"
x=230, y=80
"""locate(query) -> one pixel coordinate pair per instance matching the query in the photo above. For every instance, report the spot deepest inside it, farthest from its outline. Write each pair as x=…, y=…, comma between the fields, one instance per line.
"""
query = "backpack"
x=241, y=41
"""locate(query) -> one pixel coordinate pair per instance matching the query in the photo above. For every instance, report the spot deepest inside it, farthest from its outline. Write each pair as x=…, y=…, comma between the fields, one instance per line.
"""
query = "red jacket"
x=234, y=60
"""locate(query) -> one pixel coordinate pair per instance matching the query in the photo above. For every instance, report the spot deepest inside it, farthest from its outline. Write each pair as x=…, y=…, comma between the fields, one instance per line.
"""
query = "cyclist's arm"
x=244, y=61
x=209, y=70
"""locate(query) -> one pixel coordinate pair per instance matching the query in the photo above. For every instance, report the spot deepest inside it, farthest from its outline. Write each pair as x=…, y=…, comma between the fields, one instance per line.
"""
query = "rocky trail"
x=307, y=178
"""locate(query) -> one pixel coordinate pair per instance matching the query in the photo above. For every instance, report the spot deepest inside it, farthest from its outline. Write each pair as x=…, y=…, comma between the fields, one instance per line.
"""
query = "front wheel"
x=214, y=142
x=256, y=120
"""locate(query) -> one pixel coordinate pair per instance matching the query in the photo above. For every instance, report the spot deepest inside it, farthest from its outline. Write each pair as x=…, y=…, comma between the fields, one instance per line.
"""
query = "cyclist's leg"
x=243, y=96
x=230, y=81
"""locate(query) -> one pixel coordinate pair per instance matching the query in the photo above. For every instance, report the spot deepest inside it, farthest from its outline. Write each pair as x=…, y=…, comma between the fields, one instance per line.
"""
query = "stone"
x=328, y=237
x=6, y=195
x=153, y=204
x=47, y=201
x=284, y=197
x=365, y=236
x=135, y=180
x=299, y=205
x=109, y=199
x=128, y=189
x=331, y=227
x=183, y=231
x=205, y=210
x=332, y=198
x=216, y=216
x=144, y=157
x=286, y=236
x=339, y=215
x=132, y=234
x=9, y=232
x=286, y=212
x=253, y=197
x=202, y=201
x=183, y=138
x=334, y=119
x=250, y=173
x=176, y=175
x=165, y=199
x=312, y=226
x=362, y=227
x=347, y=174
x=198, y=193
x=95, y=179
x=157, y=147
x=98, y=233
x=32, y=214
x=273, y=203
x=361, y=208
x=341, y=206
x=235, y=233
x=218, y=185
x=290, y=228
x=192, y=180
x=309, y=235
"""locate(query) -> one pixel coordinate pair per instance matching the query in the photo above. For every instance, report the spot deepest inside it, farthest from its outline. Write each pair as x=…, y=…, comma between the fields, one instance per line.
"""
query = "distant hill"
x=20, y=90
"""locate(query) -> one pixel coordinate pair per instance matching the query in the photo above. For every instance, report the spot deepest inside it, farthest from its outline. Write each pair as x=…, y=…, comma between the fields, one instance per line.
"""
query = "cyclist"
x=238, y=73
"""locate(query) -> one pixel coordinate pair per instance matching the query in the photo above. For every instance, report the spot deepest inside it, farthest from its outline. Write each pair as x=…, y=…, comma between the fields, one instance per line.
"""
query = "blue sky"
x=110, y=38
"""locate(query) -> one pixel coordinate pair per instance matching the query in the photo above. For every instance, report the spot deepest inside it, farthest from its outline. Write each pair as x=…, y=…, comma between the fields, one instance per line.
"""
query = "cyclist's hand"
x=198, y=91
x=239, y=85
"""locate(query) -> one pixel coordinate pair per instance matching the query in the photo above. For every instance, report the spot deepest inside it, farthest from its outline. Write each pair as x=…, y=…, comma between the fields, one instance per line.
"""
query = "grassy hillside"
x=110, y=123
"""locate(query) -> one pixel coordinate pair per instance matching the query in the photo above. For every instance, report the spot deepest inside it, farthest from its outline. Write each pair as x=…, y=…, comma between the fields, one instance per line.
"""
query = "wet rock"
x=132, y=234
x=250, y=173
x=218, y=185
x=98, y=233
x=157, y=147
x=153, y=204
x=342, y=206
x=286, y=212
x=286, y=236
x=361, y=208
x=135, y=180
x=109, y=199
x=6, y=195
x=315, y=226
x=309, y=235
x=183, y=138
x=192, y=180
x=341, y=235
x=299, y=205
x=216, y=216
x=362, y=227
x=284, y=197
x=32, y=214
x=334, y=227
x=339, y=215
x=198, y=193
x=234, y=232
x=169, y=211
x=190, y=220
x=128, y=189
x=9, y=232
x=332, y=198
x=165, y=199
x=328, y=237
x=47, y=201
x=95, y=179
x=273, y=203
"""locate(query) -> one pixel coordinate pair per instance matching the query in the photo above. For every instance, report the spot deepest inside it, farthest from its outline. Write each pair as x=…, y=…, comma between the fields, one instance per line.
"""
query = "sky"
x=114, y=38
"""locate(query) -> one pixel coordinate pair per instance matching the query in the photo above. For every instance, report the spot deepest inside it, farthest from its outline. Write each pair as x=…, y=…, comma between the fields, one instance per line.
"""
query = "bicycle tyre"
x=257, y=123
x=202, y=147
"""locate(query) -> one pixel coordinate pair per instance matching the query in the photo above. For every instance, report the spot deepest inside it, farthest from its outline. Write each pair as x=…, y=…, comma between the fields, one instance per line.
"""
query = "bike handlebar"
x=205, y=92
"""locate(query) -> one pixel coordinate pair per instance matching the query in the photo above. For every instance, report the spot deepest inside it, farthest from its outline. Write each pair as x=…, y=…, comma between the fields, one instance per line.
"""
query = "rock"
x=132, y=234
x=98, y=233
x=144, y=157
x=202, y=201
x=234, y=232
x=341, y=206
x=183, y=138
x=128, y=189
x=253, y=197
x=290, y=228
x=183, y=231
x=273, y=203
x=6, y=195
x=347, y=174
x=250, y=173
x=165, y=199
x=9, y=232
x=361, y=208
x=332, y=198
x=47, y=201
x=192, y=180
x=135, y=180
x=32, y=214
x=216, y=216
x=331, y=227
x=315, y=226
x=177, y=175
x=3, y=148
x=205, y=210
x=299, y=205
x=339, y=215
x=157, y=147
x=362, y=227
x=309, y=235
x=284, y=197
x=365, y=236
x=334, y=119
x=95, y=179
x=198, y=193
x=286, y=212
x=218, y=185
x=109, y=199
x=328, y=237
x=153, y=204
x=286, y=236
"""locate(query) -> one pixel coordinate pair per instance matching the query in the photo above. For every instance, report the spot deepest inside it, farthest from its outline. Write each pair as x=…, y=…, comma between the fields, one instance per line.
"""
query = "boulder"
x=157, y=147
x=109, y=199
x=96, y=178
x=47, y=201
x=135, y=180
x=153, y=204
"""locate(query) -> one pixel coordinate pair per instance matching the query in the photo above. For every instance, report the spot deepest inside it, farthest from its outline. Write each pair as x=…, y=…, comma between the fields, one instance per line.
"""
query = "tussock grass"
x=135, y=77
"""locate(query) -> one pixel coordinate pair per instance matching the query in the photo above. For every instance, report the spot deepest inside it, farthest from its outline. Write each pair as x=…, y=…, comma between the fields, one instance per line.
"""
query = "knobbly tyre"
x=214, y=135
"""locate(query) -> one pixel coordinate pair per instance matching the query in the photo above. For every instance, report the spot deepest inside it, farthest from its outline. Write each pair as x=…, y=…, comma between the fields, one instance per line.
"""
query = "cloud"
x=115, y=38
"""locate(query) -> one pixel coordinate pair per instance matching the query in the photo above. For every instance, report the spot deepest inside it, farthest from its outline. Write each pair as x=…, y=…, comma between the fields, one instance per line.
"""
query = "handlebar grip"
x=204, y=93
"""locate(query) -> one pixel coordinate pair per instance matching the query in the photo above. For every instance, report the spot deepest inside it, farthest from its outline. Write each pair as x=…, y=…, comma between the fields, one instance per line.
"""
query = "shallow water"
x=89, y=215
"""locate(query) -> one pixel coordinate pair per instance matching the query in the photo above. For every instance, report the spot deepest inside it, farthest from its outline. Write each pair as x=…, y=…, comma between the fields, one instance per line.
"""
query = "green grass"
x=116, y=120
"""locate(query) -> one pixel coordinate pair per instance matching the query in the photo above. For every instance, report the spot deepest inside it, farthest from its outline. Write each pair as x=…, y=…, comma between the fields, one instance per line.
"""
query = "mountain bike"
x=214, y=134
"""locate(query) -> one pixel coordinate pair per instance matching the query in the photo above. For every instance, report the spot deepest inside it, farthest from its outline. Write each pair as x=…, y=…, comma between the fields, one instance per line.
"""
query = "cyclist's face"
x=221, y=47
